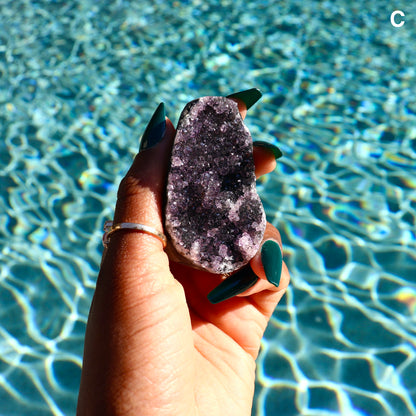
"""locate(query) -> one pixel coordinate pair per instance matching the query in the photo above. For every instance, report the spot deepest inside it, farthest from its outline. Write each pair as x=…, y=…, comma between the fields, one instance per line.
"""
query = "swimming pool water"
x=78, y=82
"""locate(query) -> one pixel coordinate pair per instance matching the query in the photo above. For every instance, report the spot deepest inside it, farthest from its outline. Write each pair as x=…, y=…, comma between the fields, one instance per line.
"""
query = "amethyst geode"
x=214, y=216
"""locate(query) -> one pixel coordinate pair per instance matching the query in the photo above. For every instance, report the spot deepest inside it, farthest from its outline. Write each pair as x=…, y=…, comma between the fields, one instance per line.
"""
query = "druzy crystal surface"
x=214, y=216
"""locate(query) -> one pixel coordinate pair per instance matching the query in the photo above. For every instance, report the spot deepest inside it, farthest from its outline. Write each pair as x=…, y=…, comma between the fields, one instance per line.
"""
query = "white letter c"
x=393, y=15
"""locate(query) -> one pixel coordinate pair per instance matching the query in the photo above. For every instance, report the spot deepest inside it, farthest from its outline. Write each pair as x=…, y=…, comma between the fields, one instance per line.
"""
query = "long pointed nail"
x=248, y=97
x=233, y=285
x=272, y=259
x=277, y=153
x=155, y=130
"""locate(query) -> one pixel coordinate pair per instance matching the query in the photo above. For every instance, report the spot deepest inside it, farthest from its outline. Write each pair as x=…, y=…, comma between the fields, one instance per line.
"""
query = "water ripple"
x=78, y=81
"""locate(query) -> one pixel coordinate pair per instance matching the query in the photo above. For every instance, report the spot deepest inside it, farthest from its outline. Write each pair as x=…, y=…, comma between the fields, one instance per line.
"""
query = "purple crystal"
x=214, y=216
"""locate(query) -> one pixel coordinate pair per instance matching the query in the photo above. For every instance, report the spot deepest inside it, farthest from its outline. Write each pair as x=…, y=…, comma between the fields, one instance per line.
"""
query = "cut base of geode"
x=214, y=217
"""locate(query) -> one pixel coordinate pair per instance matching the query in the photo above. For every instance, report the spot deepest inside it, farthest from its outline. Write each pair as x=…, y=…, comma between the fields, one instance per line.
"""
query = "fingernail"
x=271, y=257
x=233, y=285
x=248, y=97
x=155, y=129
x=274, y=149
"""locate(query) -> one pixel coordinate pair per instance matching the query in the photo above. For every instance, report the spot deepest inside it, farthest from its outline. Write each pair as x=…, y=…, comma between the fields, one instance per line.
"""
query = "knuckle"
x=129, y=185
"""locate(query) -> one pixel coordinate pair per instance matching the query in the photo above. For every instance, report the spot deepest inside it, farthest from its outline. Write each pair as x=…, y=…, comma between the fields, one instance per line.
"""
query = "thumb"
x=140, y=200
x=137, y=301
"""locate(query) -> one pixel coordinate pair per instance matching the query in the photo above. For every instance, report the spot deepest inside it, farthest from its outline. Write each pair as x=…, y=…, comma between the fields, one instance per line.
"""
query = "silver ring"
x=110, y=228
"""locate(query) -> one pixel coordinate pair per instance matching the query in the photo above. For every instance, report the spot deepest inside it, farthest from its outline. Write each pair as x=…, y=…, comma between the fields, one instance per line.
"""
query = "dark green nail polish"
x=155, y=129
x=233, y=285
x=276, y=151
x=271, y=257
x=248, y=97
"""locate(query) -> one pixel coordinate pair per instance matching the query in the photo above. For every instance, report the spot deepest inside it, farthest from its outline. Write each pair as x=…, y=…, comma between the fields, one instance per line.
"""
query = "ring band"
x=110, y=228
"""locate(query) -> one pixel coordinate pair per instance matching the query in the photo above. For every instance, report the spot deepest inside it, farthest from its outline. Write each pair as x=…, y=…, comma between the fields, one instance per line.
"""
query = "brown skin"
x=154, y=344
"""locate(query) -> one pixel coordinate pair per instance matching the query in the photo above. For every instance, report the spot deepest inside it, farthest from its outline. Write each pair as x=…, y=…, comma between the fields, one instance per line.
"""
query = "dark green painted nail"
x=233, y=285
x=271, y=257
x=155, y=130
x=248, y=97
x=276, y=151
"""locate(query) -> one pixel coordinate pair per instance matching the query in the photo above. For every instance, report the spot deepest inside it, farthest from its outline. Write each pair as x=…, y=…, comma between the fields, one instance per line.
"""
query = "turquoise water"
x=78, y=82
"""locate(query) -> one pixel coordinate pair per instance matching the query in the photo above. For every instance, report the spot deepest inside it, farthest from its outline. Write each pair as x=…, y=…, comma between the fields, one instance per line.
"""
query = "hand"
x=154, y=343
